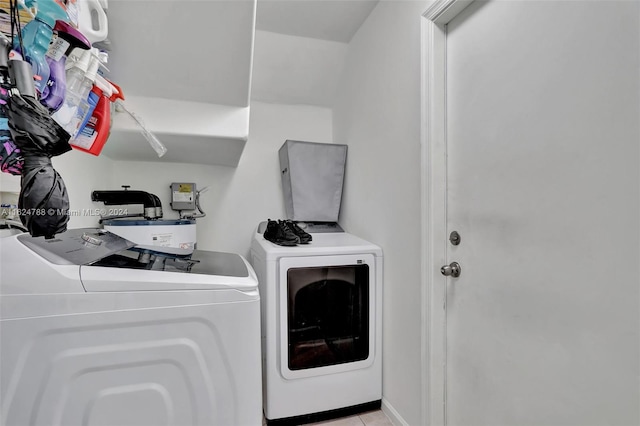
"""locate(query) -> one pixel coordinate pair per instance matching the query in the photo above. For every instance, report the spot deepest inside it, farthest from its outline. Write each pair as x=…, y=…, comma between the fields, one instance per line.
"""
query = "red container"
x=94, y=135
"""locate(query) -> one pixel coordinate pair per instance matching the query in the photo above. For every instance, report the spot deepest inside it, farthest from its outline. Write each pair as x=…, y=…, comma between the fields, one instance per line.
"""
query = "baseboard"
x=325, y=415
x=393, y=415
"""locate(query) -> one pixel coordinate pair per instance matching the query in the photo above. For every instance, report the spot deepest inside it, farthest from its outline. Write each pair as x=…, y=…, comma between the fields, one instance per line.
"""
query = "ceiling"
x=301, y=47
x=334, y=20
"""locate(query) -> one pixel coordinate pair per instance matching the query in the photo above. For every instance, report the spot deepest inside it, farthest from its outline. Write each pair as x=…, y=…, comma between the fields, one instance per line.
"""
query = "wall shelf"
x=193, y=132
x=185, y=69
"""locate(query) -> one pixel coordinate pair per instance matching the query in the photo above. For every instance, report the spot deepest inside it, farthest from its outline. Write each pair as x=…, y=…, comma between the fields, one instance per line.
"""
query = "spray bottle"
x=36, y=36
x=80, y=78
x=94, y=135
x=106, y=87
x=68, y=39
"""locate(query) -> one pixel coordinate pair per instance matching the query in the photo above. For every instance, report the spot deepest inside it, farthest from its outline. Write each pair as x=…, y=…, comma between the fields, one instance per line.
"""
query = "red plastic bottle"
x=95, y=134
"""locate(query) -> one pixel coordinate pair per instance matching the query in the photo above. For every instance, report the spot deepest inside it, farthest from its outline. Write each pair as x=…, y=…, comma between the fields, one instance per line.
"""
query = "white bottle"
x=92, y=19
x=80, y=79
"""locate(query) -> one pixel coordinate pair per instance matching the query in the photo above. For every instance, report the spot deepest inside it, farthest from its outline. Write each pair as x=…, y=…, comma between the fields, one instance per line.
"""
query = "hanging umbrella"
x=43, y=201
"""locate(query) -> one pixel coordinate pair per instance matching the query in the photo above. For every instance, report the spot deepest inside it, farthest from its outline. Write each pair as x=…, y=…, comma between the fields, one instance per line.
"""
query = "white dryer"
x=95, y=331
x=321, y=326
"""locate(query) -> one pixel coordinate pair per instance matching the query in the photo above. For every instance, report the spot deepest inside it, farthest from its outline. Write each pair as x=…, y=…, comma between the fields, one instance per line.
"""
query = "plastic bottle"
x=36, y=36
x=80, y=78
x=92, y=20
x=106, y=88
x=68, y=39
x=95, y=134
x=92, y=100
x=102, y=88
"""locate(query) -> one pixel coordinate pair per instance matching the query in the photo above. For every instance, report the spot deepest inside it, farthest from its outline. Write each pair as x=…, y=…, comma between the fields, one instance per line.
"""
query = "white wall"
x=377, y=115
x=240, y=197
x=83, y=173
x=296, y=70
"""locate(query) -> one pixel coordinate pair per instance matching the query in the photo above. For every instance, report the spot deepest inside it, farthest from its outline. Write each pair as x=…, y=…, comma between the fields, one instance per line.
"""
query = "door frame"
x=433, y=139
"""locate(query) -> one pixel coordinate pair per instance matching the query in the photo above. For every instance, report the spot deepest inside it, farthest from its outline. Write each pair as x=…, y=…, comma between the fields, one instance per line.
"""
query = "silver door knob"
x=453, y=269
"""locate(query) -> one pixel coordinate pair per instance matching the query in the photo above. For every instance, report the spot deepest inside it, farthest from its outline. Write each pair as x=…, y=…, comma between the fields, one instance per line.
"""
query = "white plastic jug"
x=92, y=19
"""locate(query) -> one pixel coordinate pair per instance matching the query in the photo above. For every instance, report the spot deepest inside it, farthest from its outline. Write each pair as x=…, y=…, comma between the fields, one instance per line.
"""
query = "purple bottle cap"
x=72, y=35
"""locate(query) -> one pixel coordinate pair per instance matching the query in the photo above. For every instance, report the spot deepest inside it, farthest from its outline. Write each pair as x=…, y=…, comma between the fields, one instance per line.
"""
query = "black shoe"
x=281, y=235
x=305, y=237
x=288, y=230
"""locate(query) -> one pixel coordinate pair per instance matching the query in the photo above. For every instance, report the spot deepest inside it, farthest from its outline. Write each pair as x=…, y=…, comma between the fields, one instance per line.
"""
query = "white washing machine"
x=94, y=331
x=321, y=326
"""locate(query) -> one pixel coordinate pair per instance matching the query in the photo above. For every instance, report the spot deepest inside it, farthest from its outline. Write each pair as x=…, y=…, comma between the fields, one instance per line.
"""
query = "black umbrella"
x=43, y=201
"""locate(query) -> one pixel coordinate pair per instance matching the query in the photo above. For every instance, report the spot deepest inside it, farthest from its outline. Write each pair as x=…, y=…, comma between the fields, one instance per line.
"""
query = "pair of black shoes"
x=286, y=233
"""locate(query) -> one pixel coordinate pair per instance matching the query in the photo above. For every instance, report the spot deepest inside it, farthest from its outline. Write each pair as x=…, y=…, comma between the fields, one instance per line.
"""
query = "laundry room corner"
x=377, y=114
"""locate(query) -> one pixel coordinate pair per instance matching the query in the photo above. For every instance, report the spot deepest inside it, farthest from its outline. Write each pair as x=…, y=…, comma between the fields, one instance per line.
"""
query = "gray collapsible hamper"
x=312, y=177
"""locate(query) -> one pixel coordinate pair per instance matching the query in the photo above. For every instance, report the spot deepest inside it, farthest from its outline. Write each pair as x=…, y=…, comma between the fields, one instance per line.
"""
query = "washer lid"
x=76, y=246
x=196, y=262
x=145, y=222
x=205, y=270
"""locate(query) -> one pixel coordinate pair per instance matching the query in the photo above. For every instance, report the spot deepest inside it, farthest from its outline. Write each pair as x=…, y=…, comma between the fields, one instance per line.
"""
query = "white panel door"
x=543, y=119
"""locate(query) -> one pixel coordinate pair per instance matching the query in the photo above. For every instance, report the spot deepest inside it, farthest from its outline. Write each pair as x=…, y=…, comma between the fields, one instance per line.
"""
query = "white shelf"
x=193, y=132
x=185, y=69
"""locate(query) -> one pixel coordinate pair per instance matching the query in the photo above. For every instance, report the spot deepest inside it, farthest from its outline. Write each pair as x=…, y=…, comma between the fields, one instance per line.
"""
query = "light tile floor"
x=369, y=418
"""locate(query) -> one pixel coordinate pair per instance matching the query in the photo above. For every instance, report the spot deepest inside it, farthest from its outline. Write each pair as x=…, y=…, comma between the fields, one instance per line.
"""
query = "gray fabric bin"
x=312, y=177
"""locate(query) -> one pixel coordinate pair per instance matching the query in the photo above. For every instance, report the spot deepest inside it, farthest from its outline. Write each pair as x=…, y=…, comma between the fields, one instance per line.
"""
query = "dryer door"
x=327, y=314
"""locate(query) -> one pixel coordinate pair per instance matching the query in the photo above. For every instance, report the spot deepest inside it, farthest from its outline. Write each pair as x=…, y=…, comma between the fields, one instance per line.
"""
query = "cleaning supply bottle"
x=102, y=87
x=92, y=101
x=80, y=78
x=92, y=19
x=68, y=38
x=94, y=135
x=36, y=36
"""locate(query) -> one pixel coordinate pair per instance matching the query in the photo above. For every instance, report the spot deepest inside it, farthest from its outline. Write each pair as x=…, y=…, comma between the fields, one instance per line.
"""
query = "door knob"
x=453, y=269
